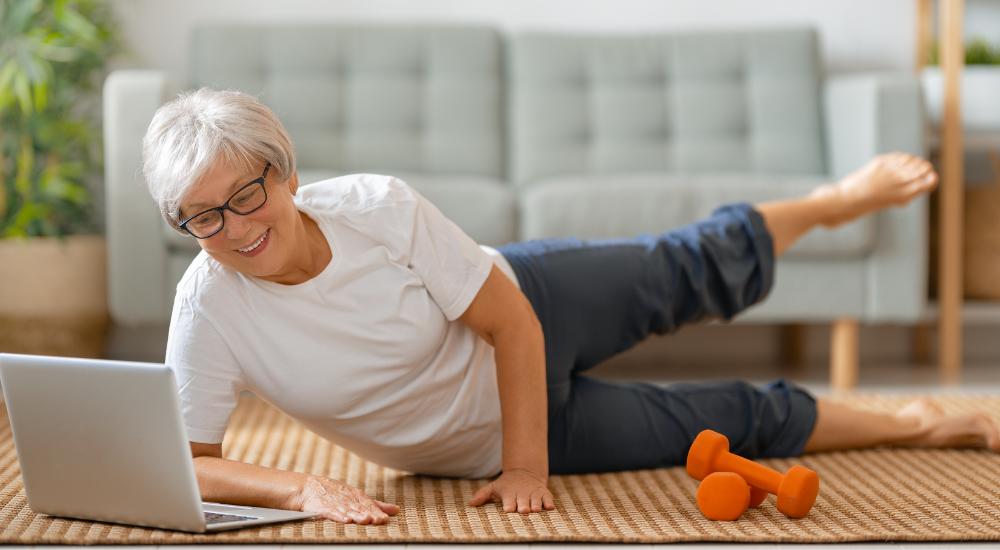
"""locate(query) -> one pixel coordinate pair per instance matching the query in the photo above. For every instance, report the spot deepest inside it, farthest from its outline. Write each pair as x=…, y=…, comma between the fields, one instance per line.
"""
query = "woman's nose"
x=236, y=226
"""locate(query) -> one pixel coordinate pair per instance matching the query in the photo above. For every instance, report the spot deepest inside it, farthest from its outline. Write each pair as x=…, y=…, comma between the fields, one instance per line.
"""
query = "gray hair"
x=195, y=130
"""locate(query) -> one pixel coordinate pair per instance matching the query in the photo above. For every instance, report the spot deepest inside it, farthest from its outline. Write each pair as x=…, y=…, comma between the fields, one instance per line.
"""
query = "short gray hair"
x=189, y=134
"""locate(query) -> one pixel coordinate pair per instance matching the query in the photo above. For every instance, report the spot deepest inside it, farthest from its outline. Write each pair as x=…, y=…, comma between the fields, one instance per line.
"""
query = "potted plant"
x=980, y=86
x=52, y=257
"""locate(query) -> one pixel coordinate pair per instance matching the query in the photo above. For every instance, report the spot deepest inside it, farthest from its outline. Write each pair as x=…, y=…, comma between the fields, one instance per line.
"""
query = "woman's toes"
x=980, y=431
x=927, y=182
x=993, y=440
x=931, y=179
x=913, y=161
x=902, y=160
x=916, y=188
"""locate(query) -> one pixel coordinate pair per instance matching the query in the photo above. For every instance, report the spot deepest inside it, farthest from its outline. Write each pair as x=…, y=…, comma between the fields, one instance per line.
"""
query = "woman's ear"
x=293, y=183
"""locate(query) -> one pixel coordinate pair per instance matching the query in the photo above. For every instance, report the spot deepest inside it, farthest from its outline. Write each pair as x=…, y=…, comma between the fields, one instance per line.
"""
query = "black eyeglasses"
x=247, y=199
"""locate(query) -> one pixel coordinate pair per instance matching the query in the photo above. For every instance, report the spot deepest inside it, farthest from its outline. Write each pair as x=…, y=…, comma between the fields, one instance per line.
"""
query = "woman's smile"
x=256, y=247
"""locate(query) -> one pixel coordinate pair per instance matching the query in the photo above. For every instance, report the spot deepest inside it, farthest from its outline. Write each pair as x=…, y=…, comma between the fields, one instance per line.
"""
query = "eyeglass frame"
x=226, y=206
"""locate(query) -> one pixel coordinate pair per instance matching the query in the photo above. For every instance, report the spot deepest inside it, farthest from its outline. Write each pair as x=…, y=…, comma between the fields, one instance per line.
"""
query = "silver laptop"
x=103, y=440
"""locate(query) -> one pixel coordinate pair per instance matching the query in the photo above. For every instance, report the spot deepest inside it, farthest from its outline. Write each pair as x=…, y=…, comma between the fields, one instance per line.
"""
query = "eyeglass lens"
x=244, y=202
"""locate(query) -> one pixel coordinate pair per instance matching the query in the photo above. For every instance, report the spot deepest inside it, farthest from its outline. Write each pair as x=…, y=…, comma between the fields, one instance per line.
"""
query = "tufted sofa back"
x=747, y=102
x=370, y=97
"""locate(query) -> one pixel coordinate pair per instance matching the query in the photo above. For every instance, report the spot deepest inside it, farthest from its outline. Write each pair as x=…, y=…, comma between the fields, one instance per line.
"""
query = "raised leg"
x=596, y=299
x=888, y=180
x=844, y=354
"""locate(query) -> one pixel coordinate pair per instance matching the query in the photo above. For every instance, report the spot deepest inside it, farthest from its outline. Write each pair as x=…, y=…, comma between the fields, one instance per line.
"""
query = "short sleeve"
x=452, y=266
x=208, y=377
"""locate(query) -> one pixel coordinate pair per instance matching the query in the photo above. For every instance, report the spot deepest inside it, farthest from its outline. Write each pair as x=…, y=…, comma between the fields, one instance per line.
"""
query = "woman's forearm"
x=231, y=482
x=520, y=358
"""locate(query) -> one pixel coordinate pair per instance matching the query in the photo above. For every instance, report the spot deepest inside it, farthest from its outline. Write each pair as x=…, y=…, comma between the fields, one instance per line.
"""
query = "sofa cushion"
x=369, y=97
x=686, y=102
x=625, y=205
x=484, y=208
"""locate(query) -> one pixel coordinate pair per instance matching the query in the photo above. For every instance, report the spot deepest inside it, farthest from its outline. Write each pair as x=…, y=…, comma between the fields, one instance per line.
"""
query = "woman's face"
x=275, y=222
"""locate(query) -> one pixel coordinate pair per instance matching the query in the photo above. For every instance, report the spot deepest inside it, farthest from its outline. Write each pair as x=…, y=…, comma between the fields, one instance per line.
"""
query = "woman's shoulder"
x=354, y=193
x=204, y=277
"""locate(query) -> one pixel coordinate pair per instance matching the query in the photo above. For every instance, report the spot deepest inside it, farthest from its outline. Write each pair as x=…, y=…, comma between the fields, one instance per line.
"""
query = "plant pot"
x=53, y=296
x=980, y=87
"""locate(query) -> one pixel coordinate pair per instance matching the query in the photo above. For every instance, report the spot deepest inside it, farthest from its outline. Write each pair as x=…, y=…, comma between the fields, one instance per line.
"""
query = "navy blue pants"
x=598, y=298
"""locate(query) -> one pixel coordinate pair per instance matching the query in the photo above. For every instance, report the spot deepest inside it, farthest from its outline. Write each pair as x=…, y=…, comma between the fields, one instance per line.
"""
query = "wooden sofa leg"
x=844, y=354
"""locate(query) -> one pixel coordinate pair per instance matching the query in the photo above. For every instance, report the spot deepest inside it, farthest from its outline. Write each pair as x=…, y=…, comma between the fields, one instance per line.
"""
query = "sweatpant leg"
x=595, y=299
x=612, y=426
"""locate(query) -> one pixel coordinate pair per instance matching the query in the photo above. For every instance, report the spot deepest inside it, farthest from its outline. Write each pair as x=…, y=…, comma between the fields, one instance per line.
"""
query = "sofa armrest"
x=137, y=252
x=867, y=115
x=871, y=114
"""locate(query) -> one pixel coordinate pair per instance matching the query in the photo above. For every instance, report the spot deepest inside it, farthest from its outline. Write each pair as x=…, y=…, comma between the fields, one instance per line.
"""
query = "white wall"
x=982, y=20
x=856, y=34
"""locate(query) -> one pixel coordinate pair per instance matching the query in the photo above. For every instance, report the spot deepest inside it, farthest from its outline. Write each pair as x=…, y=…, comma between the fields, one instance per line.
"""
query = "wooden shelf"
x=950, y=312
x=974, y=312
x=973, y=140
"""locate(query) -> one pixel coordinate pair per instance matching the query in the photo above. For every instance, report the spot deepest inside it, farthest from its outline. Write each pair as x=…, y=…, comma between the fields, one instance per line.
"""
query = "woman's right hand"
x=342, y=503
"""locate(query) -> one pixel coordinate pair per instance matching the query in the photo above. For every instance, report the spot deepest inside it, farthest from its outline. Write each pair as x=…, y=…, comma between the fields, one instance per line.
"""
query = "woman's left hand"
x=517, y=490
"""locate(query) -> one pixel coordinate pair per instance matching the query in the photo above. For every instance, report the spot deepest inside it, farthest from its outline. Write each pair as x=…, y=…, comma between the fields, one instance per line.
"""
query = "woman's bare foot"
x=893, y=179
x=935, y=429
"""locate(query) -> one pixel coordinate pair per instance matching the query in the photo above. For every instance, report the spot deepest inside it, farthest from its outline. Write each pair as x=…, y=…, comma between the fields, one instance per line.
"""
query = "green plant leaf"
x=22, y=91
x=35, y=67
x=7, y=74
x=978, y=51
x=58, y=188
x=27, y=217
x=53, y=55
x=78, y=25
x=41, y=95
x=25, y=167
x=3, y=203
x=51, y=50
x=18, y=17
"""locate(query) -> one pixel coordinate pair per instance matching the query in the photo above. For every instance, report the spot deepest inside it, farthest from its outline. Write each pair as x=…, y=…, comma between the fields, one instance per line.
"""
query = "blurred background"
x=524, y=119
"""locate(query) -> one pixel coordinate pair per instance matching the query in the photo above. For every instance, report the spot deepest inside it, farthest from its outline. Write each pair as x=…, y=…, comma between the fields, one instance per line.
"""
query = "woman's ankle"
x=831, y=203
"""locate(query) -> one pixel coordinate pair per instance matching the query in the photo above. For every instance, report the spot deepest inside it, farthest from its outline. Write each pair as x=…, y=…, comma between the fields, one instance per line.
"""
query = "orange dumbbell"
x=724, y=496
x=796, y=489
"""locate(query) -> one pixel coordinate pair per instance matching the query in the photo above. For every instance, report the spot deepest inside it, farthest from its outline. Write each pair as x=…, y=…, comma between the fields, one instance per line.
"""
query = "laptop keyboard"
x=213, y=517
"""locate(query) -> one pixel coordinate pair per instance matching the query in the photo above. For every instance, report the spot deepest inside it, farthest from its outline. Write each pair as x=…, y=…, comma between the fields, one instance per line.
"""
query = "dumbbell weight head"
x=723, y=496
x=798, y=492
x=704, y=449
x=701, y=458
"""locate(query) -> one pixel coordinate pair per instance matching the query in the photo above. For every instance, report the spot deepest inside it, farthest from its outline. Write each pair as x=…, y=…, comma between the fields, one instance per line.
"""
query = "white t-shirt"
x=369, y=353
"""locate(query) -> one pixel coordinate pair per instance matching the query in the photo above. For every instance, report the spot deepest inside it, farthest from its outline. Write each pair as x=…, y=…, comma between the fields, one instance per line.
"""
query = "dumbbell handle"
x=757, y=475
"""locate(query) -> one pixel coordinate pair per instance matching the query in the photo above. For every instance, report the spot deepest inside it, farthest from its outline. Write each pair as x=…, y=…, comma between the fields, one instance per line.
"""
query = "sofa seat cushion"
x=483, y=207
x=630, y=204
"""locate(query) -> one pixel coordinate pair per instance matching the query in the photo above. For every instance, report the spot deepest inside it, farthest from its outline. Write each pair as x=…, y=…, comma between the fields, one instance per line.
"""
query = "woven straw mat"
x=872, y=495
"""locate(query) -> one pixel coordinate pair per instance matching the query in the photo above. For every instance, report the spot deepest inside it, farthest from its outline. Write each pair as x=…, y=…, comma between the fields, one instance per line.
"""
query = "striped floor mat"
x=875, y=495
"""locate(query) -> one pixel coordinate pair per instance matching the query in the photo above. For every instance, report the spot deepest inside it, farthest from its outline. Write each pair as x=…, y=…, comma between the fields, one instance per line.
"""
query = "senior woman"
x=356, y=307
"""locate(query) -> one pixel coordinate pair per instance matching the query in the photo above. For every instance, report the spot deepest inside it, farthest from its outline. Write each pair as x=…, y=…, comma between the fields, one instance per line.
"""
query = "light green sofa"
x=533, y=135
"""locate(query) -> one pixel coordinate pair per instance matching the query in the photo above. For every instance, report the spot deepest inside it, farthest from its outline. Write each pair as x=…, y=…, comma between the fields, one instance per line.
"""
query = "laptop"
x=103, y=440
